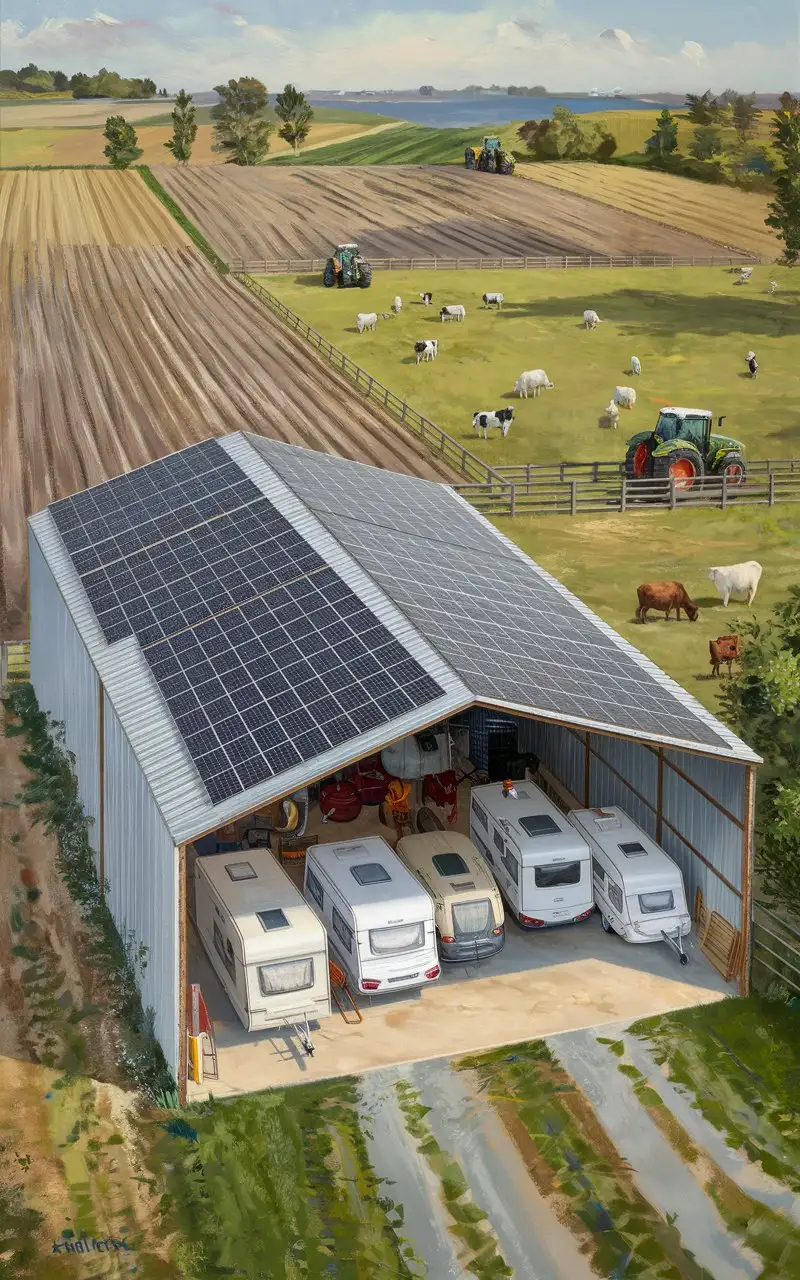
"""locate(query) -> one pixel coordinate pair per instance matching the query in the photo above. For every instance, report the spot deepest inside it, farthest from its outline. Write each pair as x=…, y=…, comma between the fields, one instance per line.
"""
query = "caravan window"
x=615, y=895
x=511, y=865
x=272, y=919
x=288, y=975
x=598, y=872
x=370, y=873
x=652, y=903
x=473, y=919
x=225, y=951
x=498, y=843
x=450, y=864
x=480, y=814
x=342, y=930
x=315, y=888
x=539, y=824
x=400, y=937
x=557, y=874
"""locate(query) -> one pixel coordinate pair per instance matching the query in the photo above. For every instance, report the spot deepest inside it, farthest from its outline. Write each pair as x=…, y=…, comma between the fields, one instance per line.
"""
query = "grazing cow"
x=493, y=299
x=636, y=365
x=397, y=306
x=484, y=419
x=745, y=274
x=427, y=299
x=426, y=349
x=591, y=320
x=773, y=286
x=752, y=363
x=453, y=313
x=737, y=580
x=366, y=320
x=723, y=649
x=534, y=380
x=664, y=597
x=625, y=397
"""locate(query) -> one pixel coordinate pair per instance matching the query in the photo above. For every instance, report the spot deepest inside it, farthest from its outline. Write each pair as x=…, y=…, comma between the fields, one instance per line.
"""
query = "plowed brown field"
x=114, y=356
x=404, y=210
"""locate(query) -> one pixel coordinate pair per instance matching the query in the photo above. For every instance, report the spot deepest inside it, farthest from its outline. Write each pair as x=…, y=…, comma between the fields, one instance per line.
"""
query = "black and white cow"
x=493, y=300
x=457, y=313
x=426, y=349
x=427, y=299
x=487, y=418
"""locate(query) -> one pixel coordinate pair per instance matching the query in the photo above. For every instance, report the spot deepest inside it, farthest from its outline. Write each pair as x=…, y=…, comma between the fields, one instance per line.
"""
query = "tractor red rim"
x=640, y=460
x=734, y=471
x=683, y=472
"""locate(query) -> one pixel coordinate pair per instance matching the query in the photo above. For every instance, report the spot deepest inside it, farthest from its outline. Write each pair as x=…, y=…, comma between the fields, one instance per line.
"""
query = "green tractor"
x=683, y=448
x=490, y=159
x=347, y=269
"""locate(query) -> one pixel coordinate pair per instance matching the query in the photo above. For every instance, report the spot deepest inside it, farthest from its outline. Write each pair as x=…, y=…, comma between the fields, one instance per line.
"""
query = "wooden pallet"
x=720, y=941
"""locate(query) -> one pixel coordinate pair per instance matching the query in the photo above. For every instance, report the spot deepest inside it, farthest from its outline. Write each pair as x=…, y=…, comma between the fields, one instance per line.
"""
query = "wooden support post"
x=587, y=773
x=747, y=876
x=183, y=943
x=660, y=795
x=101, y=817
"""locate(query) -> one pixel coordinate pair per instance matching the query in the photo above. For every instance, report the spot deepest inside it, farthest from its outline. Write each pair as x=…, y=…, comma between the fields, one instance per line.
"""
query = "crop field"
x=731, y=217
x=404, y=211
x=118, y=353
x=411, y=144
x=632, y=128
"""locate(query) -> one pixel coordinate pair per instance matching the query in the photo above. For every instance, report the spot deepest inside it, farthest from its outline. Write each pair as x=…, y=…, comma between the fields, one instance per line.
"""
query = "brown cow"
x=664, y=597
x=723, y=649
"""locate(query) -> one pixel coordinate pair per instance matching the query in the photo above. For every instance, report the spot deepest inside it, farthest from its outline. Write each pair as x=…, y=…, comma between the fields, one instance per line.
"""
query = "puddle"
x=661, y=1175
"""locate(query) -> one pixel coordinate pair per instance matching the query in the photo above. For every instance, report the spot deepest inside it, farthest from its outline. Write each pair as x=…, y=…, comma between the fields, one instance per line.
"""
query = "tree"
x=425, y=90
x=184, y=129
x=707, y=142
x=567, y=137
x=148, y=88
x=784, y=211
x=60, y=80
x=240, y=127
x=81, y=85
x=28, y=72
x=763, y=705
x=665, y=139
x=121, y=140
x=745, y=116
x=296, y=115
x=701, y=107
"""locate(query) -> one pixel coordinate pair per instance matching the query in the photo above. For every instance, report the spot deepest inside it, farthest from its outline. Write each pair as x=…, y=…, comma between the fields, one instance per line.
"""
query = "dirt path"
x=660, y=1173
x=405, y=210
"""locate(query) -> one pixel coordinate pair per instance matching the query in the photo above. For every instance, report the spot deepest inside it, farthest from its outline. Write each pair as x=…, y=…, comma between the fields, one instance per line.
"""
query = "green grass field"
x=408, y=144
x=691, y=328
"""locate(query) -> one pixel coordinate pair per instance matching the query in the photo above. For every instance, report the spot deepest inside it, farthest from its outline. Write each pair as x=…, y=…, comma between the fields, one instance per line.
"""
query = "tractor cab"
x=684, y=447
x=347, y=269
x=491, y=144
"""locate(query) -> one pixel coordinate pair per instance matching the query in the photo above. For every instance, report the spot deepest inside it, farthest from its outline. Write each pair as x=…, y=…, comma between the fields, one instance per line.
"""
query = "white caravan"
x=379, y=919
x=637, y=886
x=540, y=862
x=267, y=947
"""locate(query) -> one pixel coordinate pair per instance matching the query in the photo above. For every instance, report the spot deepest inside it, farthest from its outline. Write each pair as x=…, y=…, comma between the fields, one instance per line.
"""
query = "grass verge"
x=180, y=217
x=571, y=1158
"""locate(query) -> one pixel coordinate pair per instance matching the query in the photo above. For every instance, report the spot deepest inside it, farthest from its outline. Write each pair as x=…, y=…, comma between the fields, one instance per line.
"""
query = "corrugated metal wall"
x=141, y=866
x=64, y=677
x=714, y=835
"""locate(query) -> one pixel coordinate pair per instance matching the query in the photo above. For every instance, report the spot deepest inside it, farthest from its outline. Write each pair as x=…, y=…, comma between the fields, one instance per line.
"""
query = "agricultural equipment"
x=490, y=159
x=347, y=269
x=683, y=448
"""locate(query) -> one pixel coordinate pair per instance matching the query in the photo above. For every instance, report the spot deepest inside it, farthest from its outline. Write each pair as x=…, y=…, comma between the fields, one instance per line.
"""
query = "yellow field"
x=723, y=214
x=632, y=128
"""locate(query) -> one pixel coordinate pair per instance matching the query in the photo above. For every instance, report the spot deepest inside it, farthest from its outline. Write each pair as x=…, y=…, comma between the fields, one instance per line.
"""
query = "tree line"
x=242, y=128
x=104, y=84
x=567, y=136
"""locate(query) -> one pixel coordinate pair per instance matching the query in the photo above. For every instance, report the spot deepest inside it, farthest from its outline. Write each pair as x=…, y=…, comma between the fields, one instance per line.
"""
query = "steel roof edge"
x=738, y=748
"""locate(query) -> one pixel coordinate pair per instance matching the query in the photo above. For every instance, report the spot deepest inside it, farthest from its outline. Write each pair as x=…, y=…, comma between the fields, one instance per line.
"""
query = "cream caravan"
x=467, y=902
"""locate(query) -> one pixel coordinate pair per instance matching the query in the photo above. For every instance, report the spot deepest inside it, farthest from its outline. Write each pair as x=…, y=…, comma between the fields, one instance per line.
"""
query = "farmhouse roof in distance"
x=261, y=614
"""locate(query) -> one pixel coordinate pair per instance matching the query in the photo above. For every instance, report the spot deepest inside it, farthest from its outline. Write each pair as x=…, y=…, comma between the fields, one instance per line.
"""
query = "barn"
x=237, y=621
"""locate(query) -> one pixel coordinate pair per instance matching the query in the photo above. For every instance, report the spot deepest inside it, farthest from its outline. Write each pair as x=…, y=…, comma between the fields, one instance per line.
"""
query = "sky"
x=639, y=45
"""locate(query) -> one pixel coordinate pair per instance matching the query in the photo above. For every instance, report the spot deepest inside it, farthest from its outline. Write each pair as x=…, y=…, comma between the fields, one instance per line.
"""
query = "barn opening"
x=246, y=622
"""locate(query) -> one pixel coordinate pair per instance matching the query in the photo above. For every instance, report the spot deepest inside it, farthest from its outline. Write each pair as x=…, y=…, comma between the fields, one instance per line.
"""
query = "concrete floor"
x=541, y=984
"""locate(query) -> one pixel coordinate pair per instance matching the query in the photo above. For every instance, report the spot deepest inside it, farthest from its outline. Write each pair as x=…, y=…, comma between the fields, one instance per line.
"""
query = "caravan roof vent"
x=522, y=794
x=241, y=871
x=462, y=884
x=605, y=821
x=633, y=849
x=370, y=873
x=351, y=850
x=272, y=919
x=539, y=824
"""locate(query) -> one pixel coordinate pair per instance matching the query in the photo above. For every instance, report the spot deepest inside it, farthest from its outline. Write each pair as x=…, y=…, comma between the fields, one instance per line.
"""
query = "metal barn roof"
x=430, y=585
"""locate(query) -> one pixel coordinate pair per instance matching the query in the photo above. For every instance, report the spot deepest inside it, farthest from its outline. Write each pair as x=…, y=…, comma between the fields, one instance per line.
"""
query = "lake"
x=455, y=113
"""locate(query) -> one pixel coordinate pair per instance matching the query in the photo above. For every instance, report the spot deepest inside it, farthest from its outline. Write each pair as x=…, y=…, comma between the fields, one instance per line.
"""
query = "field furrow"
x=404, y=210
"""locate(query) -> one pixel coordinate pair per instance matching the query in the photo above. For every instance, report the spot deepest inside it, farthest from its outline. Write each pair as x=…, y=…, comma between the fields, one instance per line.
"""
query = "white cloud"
x=393, y=48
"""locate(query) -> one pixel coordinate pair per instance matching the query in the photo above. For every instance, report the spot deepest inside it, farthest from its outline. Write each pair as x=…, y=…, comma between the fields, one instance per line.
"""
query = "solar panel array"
x=264, y=655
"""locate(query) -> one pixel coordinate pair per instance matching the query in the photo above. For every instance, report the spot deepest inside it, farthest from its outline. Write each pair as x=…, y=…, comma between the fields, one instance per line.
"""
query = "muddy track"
x=119, y=355
x=404, y=210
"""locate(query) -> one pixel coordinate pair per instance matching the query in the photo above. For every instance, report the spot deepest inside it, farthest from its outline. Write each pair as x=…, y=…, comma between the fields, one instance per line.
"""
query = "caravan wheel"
x=607, y=925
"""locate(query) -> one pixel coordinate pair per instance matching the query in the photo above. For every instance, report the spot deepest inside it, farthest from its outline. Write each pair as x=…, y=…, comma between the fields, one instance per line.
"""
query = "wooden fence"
x=530, y=472
x=776, y=950
x=14, y=661
x=439, y=441
x=302, y=266
x=615, y=493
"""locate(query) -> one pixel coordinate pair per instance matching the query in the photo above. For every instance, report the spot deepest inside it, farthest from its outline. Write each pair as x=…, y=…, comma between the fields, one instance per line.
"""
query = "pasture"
x=690, y=327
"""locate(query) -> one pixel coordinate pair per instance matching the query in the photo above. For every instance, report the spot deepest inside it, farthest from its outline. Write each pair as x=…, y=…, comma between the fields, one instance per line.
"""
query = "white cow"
x=737, y=580
x=610, y=416
x=745, y=274
x=636, y=365
x=625, y=397
x=426, y=349
x=534, y=380
x=366, y=320
x=591, y=319
x=453, y=313
x=773, y=286
x=493, y=299
x=397, y=306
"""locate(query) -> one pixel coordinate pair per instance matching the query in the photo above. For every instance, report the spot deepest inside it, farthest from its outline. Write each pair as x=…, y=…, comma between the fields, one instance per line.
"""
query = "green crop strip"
x=180, y=217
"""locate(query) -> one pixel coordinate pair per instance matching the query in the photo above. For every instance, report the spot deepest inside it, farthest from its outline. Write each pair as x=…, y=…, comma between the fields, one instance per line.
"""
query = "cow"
x=366, y=320
x=453, y=313
x=723, y=649
x=534, y=380
x=736, y=580
x=493, y=299
x=426, y=349
x=486, y=418
x=664, y=597
x=591, y=319
x=427, y=299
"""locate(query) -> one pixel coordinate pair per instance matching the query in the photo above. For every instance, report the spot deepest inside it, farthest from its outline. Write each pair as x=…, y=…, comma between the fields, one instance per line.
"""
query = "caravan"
x=637, y=887
x=469, y=909
x=379, y=919
x=540, y=862
x=265, y=944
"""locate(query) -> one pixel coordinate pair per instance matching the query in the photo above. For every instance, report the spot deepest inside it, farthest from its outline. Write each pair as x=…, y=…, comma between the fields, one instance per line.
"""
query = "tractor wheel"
x=639, y=460
x=365, y=278
x=329, y=276
x=733, y=466
x=684, y=466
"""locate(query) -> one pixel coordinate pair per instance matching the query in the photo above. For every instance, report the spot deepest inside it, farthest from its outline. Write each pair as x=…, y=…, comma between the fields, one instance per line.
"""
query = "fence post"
x=573, y=497
x=513, y=488
x=672, y=493
x=528, y=478
x=724, y=491
x=623, y=505
x=772, y=488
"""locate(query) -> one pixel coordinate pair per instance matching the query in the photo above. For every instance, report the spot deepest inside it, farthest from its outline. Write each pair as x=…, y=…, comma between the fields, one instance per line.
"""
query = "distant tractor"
x=490, y=159
x=347, y=269
x=683, y=448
